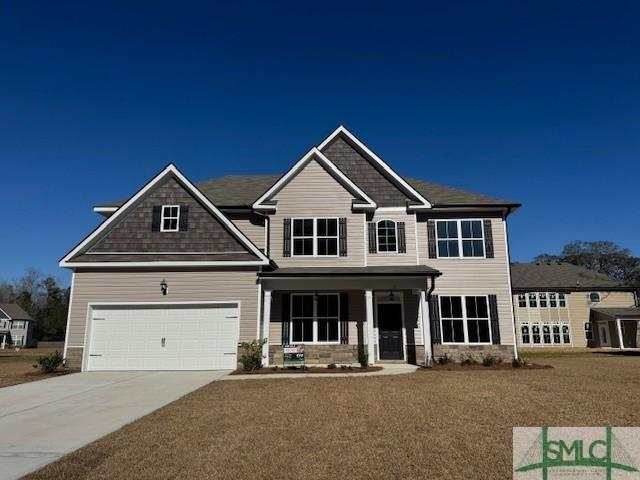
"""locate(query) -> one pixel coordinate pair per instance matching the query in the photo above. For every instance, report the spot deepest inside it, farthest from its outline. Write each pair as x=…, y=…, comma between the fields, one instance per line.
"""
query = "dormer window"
x=170, y=219
x=387, y=236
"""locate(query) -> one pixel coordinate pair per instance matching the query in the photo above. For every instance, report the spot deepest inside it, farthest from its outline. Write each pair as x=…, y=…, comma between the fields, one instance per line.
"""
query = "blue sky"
x=536, y=102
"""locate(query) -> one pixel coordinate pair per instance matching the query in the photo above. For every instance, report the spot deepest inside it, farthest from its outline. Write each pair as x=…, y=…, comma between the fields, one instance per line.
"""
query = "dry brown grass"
x=429, y=424
x=17, y=366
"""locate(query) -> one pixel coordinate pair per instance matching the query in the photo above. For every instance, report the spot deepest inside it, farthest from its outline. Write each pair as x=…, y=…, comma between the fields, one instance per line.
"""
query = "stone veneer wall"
x=73, y=360
x=319, y=354
x=457, y=352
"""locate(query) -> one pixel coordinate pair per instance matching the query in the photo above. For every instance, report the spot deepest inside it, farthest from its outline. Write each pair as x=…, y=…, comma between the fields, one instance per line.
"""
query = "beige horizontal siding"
x=144, y=286
x=408, y=258
x=251, y=224
x=474, y=276
x=315, y=193
x=577, y=312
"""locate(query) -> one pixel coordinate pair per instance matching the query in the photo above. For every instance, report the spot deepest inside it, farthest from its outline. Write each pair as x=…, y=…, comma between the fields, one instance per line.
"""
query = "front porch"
x=334, y=312
x=616, y=328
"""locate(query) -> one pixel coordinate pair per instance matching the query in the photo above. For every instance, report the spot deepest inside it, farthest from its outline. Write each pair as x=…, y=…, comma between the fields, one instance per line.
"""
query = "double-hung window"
x=562, y=300
x=524, y=331
x=588, y=332
x=460, y=238
x=543, y=300
x=315, y=237
x=533, y=300
x=315, y=318
x=387, y=236
x=465, y=319
x=522, y=300
x=169, y=221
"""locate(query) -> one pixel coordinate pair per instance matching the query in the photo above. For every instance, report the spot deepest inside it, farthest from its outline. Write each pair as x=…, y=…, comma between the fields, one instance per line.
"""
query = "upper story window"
x=544, y=300
x=315, y=236
x=465, y=319
x=460, y=238
x=387, y=236
x=170, y=219
x=522, y=300
x=18, y=324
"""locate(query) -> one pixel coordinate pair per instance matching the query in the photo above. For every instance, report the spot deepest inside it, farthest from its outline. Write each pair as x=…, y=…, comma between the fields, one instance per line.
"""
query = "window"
x=524, y=332
x=315, y=318
x=533, y=303
x=543, y=300
x=465, y=320
x=553, y=303
x=562, y=300
x=387, y=238
x=18, y=341
x=535, y=331
x=594, y=297
x=566, y=335
x=522, y=300
x=546, y=333
x=588, y=332
x=315, y=236
x=18, y=324
x=556, y=333
x=170, y=216
x=460, y=238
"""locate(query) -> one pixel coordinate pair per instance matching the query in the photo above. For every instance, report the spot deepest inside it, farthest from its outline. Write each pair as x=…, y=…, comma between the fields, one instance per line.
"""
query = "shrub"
x=331, y=366
x=251, y=357
x=467, y=360
x=489, y=360
x=363, y=356
x=519, y=362
x=444, y=359
x=49, y=363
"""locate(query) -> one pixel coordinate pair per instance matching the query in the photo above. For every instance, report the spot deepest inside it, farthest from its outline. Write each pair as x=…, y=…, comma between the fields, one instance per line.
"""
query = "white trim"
x=6, y=314
x=314, y=237
x=366, y=239
x=426, y=328
x=162, y=219
x=105, y=209
x=620, y=335
x=342, y=130
x=368, y=300
x=167, y=253
x=92, y=305
x=170, y=169
x=163, y=264
x=390, y=209
x=266, y=322
x=336, y=173
x=513, y=315
x=380, y=300
x=259, y=309
x=395, y=228
x=460, y=239
x=415, y=227
x=70, y=306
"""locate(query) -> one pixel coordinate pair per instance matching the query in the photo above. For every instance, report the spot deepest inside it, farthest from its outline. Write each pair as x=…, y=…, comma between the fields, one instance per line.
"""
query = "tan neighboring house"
x=340, y=254
x=16, y=326
x=564, y=305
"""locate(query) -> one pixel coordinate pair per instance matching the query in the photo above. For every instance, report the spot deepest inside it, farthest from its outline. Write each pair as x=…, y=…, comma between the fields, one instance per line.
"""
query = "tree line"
x=43, y=299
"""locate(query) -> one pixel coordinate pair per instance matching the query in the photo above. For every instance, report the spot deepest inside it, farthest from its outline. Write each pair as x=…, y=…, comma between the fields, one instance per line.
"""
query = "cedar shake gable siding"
x=364, y=174
x=133, y=233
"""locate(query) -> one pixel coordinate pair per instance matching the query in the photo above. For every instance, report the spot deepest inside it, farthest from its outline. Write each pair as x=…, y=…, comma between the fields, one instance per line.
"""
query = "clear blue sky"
x=536, y=102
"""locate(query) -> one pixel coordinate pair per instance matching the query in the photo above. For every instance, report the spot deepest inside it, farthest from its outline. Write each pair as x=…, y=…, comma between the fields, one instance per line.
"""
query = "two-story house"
x=341, y=254
x=16, y=326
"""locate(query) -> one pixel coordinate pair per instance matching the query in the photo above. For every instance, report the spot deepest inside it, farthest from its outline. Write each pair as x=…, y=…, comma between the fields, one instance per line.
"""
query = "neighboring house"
x=340, y=254
x=16, y=326
x=564, y=305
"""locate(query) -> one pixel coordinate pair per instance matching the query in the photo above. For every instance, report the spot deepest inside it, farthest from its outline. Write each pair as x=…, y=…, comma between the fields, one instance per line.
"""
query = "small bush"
x=519, y=362
x=251, y=357
x=489, y=360
x=468, y=360
x=363, y=356
x=49, y=363
x=444, y=359
x=331, y=366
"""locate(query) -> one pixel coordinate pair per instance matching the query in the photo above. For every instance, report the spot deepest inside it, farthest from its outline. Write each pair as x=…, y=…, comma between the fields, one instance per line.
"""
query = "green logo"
x=576, y=456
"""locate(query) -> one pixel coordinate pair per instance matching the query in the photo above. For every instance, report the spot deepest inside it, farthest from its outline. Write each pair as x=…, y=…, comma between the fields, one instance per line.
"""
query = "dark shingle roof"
x=533, y=276
x=14, y=311
x=619, y=312
x=441, y=195
x=406, y=270
x=105, y=258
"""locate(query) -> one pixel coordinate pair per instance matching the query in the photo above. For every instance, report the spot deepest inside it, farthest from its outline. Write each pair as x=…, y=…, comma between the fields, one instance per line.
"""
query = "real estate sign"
x=293, y=355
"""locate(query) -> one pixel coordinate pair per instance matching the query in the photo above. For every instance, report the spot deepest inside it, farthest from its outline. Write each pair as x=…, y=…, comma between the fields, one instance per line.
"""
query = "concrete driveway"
x=41, y=421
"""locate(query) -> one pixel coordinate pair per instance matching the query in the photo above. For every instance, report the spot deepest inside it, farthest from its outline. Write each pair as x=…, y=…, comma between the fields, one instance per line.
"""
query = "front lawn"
x=16, y=366
x=430, y=424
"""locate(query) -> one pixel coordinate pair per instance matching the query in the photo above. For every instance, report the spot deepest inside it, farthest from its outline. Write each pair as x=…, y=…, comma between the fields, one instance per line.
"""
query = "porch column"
x=368, y=300
x=620, y=337
x=426, y=328
x=266, y=318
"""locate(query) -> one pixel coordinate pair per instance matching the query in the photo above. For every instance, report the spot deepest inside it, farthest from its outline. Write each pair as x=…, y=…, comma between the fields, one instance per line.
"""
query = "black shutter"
x=373, y=247
x=155, y=218
x=431, y=238
x=434, y=315
x=342, y=236
x=286, y=237
x=184, y=218
x=402, y=242
x=493, y=315
x=488, y=238
x=344, y=317
x=286, y=310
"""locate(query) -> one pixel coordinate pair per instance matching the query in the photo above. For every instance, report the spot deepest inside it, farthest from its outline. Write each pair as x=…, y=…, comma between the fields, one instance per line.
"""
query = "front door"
x=603, y=331
x=390, y=331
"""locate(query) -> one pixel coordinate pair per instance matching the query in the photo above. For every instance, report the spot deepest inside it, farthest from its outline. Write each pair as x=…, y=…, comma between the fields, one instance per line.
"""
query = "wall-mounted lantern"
x=164, y=288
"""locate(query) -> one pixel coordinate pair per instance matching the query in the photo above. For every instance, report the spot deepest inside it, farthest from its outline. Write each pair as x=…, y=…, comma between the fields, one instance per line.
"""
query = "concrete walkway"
x=389, y=369
x=41, y=421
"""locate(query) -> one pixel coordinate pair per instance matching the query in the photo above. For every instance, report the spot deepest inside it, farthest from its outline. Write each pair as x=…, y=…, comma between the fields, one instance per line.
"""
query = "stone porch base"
x=460, y=352
x=319, y=354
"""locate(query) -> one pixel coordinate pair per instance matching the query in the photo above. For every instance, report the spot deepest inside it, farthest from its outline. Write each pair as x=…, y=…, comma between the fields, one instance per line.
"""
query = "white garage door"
x=196, y=337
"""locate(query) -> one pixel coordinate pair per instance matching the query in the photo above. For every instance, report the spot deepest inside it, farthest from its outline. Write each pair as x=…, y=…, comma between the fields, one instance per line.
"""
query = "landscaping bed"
x=281, y=370
x=16, y=366
x=478, y=366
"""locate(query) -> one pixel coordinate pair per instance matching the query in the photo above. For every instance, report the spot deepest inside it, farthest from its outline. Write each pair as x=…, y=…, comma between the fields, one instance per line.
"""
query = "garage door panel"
x=195, y=338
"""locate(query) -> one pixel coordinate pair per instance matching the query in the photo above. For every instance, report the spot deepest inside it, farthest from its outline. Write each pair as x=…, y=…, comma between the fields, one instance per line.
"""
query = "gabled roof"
x=14, y=311
x=364, y=201
x=560, y=276
x=77, y=256
x=444, y=196
x=619, y=312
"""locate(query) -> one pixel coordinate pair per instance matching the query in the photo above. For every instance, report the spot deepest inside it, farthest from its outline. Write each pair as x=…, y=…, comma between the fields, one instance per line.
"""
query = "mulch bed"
x=478, y=366
x=273, y=371
x=35, y=375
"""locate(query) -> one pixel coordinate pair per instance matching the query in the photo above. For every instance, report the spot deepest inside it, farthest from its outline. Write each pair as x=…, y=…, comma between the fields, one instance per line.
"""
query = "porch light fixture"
x=392, y=297
x=164, y=288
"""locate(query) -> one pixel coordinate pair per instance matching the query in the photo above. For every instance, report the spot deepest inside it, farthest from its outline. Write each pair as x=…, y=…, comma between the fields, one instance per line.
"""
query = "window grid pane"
x=387, y=238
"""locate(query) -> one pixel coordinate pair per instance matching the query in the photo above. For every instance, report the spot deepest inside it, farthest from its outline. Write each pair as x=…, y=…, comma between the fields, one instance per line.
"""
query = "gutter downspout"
x=513, y=311
x=426, y=317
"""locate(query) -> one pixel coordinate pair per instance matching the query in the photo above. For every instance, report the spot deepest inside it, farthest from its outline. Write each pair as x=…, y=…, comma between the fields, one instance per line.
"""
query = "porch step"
x=391, y=362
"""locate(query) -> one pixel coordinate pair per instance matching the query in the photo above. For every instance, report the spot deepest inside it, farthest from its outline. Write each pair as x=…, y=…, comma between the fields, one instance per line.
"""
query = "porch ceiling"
x=630, y=313
x=419, y=271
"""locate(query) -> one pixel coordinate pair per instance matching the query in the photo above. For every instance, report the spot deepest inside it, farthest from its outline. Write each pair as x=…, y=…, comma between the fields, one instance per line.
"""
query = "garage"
x=163, y=337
